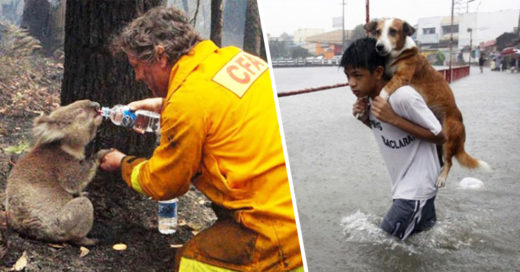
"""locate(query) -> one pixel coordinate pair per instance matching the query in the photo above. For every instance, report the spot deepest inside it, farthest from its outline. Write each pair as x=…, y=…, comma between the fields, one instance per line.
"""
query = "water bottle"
x=121, y=115
x=167, y=216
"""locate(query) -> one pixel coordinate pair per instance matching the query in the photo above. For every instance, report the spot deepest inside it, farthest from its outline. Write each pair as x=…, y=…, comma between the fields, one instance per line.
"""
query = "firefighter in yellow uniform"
x=219, y=131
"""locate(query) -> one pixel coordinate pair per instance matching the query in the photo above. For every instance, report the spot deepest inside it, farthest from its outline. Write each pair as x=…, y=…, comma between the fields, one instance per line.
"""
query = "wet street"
x=342, y=186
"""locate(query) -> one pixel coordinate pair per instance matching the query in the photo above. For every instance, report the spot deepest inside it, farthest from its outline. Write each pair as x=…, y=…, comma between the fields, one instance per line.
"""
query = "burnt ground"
x=31, y=86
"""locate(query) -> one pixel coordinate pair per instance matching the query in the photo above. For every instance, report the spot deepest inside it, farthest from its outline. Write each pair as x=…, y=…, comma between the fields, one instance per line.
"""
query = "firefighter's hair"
x=167, y=27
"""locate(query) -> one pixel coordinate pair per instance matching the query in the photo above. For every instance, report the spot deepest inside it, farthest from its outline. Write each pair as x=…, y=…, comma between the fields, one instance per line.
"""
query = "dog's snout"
x=380, y=47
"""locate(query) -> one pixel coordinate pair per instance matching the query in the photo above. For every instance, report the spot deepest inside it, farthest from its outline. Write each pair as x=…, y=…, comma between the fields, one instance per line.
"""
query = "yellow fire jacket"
x=219, y=130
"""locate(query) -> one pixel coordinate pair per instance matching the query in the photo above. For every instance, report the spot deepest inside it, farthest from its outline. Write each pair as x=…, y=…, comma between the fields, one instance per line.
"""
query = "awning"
x=509, y=51
x=488, y=43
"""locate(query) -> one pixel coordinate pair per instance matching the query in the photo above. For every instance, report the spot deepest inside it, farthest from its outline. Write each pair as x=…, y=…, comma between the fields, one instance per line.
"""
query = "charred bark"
x=253, y=31
x=45, y=22
x=35, y=19
x=216, y=22
x=92, y=72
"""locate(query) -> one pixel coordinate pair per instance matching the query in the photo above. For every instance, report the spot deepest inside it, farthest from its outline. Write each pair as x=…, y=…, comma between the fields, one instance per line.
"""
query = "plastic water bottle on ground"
x=167, y=216
x=121, y=115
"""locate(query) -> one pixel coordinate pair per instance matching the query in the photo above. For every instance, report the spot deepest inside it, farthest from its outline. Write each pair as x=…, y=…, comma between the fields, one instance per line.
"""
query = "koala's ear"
x=46, y=131
x=408, y=30
x=371, y=26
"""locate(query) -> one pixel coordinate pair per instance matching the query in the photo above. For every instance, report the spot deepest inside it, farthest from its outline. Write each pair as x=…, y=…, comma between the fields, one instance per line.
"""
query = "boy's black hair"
x=362, y=54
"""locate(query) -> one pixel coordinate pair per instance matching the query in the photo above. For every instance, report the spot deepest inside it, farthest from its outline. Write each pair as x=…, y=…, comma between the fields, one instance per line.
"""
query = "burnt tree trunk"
x=216, y=22
x=56, y=26
x=45, y=22
x=35, y=19
x=253, y=30
x=92, y=72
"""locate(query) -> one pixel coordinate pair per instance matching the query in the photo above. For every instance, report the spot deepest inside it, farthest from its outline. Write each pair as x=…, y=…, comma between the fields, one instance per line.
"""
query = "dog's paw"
x=384, y=94
x=440, y=182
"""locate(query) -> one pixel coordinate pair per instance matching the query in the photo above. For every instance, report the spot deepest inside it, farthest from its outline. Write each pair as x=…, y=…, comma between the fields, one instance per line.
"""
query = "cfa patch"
x=240, y=73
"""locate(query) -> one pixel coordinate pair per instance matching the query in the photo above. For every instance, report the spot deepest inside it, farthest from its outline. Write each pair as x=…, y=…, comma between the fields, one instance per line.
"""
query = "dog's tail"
x=467, y=161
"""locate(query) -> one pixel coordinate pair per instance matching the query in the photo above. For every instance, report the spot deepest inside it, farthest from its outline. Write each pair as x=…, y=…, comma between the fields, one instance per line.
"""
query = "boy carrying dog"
x=406, y=131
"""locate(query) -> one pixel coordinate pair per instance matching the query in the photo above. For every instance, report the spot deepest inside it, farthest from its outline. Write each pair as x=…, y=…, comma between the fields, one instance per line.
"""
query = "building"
x=300, y=35
x=469, y=29
x=328, y=44
x=434, y=32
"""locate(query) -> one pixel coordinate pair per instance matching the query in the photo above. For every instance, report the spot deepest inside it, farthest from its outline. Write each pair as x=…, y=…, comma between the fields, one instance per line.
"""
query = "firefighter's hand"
x=112, y=160
x=149, y=104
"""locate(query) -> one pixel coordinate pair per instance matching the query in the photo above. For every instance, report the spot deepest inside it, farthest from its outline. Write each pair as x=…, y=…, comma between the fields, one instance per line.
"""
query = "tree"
x=439, y=58
x=299, y=52
x=56, y=26
x=90, y=70
x=253, y=31
x=35, y=19
x=216, y=22
x=278, y=49
x=45, y=21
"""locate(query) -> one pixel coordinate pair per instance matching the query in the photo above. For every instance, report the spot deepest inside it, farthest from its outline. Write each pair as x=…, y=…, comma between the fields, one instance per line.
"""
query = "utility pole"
x=367, y=15
x=343, y=28
x=368, y=12
x=470, y=30
x=451, y=41
x=467, y=5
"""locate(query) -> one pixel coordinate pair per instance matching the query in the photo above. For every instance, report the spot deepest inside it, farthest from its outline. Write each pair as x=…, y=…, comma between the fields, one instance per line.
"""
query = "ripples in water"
x=450, y=234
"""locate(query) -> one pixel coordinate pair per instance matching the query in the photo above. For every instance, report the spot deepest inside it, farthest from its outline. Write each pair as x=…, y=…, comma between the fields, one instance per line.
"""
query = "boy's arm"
x=382, y=110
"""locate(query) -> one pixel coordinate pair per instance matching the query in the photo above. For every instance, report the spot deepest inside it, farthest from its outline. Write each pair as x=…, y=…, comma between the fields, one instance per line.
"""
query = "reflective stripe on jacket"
x=219, y=130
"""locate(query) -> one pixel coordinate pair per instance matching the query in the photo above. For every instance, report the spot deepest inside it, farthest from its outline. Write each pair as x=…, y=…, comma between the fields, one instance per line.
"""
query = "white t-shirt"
x=413, y=163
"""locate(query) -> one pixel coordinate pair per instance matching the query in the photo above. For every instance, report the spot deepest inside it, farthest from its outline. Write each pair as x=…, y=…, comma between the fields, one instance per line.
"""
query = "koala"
x=44, y=190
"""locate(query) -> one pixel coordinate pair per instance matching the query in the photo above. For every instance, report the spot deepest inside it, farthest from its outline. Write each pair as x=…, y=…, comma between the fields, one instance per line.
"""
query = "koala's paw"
x=84, y=241
x=101, y=153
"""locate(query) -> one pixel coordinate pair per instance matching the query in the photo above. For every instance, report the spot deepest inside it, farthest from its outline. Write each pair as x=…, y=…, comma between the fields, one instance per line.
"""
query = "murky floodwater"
x=343, y=189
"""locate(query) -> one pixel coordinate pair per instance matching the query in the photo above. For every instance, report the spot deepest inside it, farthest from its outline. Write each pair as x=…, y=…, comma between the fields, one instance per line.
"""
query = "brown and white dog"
x=407, y=67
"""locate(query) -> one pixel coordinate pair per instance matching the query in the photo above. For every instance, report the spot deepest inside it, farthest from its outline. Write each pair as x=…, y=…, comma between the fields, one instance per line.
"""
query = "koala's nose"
x=379, y=47
x=94, y=105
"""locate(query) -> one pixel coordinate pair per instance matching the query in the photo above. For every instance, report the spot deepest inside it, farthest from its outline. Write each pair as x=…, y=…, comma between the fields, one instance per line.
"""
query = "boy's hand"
x=359, y=110
x=382, y=110
x=360, y=106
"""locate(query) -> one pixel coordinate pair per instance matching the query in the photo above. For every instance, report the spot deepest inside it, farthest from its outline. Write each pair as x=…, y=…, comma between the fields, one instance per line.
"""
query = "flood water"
x=342, y=186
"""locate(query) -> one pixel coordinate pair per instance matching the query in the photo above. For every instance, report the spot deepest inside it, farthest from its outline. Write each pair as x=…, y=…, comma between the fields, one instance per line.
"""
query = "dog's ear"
x=408, y=30
x=371, y=26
